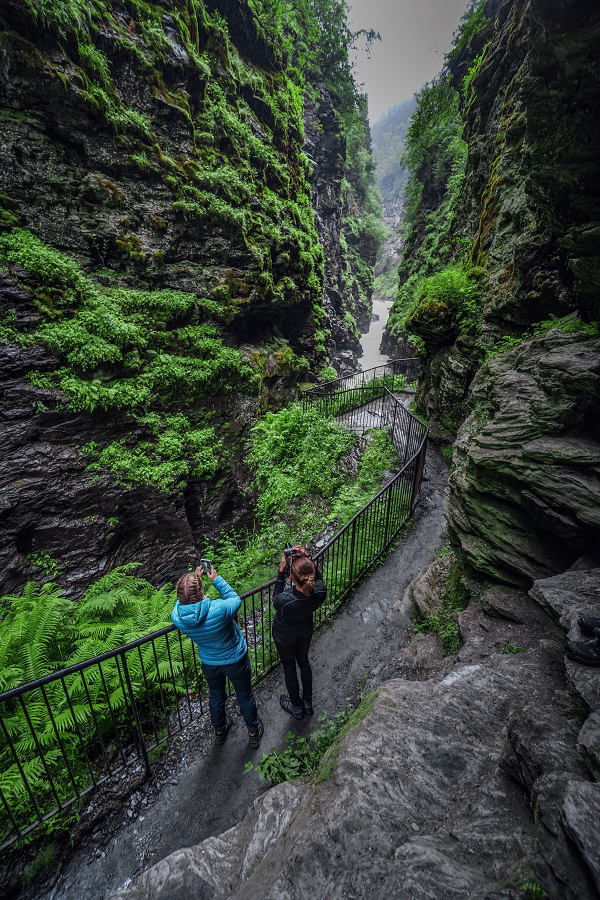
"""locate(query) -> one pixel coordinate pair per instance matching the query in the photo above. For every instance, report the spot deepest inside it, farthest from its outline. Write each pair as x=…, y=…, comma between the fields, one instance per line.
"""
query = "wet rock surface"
x=524, y=497
x=108, y=193
x=90, y=523
x=468, y=782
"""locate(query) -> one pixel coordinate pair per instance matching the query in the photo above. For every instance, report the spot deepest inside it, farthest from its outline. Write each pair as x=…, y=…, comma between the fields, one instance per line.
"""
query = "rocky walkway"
x=205, y=791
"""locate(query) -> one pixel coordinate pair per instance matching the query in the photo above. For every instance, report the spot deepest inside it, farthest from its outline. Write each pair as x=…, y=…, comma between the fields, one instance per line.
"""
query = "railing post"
x=351, y=566
x=387, y=515
x=408, y=434
x=419, y=463
x=136, y=718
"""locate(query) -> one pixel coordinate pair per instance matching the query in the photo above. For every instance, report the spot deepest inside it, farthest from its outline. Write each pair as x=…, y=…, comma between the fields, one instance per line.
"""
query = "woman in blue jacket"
x=223, y=652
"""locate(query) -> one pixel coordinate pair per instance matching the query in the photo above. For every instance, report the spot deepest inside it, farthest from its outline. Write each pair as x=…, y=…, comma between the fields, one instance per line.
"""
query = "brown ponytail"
x=303, y=572
x=190, y=588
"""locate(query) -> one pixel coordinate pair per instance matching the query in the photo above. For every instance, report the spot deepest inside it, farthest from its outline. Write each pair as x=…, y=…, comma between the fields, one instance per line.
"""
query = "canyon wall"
x=508, y=317
x=162, y=276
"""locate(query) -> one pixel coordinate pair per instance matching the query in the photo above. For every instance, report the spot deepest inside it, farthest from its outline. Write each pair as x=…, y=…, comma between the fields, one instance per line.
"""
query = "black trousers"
x=290, y=654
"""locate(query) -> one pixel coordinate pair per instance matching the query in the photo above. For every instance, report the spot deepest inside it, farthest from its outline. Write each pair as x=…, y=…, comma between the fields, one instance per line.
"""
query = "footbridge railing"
x=74, y=731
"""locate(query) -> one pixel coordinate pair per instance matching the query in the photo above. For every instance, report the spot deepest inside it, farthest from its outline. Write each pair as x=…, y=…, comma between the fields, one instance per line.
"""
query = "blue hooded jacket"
x=212, y=626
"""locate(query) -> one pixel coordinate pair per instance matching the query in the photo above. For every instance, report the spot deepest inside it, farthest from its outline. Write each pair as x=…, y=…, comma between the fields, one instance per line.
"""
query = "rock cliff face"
x=326, y=149
x=162, y=276
x=524, y=495
x=388, y=136
x=528, y=214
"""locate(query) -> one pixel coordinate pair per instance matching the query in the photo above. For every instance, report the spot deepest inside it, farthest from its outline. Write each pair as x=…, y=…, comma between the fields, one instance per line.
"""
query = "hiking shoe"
x=221, y=736
x=586, y=652
x=256, y=736
x=296, y=711
x=307, y=704
x=587, y=625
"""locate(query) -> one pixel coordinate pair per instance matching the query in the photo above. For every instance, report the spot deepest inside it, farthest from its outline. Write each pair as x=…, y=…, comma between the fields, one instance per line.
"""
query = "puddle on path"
x=372, y=339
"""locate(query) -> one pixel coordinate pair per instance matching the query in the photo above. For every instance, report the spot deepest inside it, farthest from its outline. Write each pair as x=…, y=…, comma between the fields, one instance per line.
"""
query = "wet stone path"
x=201, y=789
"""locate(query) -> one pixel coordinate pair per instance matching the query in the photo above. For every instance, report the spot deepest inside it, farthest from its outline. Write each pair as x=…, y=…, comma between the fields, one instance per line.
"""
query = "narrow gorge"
x=198, y=231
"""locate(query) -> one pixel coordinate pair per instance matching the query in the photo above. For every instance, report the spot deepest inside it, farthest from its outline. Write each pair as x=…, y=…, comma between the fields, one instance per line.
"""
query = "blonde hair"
x=190, y=588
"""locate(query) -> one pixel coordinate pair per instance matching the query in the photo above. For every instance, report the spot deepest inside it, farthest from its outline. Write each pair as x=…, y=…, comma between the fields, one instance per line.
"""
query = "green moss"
x=119, y=349
x=176, y=451
x=453, y=294
x=571, y=324
x=445, y=621
x=329, y=762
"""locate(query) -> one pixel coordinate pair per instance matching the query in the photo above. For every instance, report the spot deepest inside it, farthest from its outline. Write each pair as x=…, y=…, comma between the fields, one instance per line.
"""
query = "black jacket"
x=294, y=610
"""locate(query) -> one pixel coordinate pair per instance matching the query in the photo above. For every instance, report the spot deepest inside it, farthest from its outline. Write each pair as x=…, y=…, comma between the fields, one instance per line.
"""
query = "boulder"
x=523, y=500
x=566, y=597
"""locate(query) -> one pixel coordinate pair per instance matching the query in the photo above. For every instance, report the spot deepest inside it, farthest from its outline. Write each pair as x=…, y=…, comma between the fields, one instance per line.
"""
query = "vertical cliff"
x=389, y=135
x=161, y=276
x=501, y=288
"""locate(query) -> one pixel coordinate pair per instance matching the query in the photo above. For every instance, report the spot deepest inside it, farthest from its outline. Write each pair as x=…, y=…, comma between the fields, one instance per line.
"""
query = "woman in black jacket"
x=293, y=627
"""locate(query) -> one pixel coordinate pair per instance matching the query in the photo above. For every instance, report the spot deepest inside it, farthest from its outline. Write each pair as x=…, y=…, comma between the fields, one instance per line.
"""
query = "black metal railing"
x=66, y=734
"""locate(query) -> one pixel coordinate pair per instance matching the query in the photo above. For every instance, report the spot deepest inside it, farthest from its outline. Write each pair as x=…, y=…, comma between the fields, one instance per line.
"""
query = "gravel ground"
x=201, y=790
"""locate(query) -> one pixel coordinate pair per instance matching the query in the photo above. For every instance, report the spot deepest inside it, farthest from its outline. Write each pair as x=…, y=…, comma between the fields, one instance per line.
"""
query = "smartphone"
x=206, y=564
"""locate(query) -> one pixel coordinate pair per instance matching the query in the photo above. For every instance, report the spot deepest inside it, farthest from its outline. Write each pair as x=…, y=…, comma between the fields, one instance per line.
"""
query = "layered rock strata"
x=522, y=394
x=523, y=499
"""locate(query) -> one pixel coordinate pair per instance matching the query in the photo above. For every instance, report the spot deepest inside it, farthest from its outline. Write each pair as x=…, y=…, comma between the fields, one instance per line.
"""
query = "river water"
x=372, y=339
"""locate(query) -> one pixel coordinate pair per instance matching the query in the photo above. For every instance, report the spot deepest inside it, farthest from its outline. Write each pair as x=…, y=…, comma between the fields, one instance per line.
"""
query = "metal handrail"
x=149, y=716
x=391, y=363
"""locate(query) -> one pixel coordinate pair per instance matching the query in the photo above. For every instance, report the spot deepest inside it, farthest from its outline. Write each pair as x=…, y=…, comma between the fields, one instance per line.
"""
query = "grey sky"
x=415, y=35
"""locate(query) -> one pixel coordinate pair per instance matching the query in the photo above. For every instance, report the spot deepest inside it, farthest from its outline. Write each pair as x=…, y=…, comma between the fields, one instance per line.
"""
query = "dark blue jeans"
x=240, y=675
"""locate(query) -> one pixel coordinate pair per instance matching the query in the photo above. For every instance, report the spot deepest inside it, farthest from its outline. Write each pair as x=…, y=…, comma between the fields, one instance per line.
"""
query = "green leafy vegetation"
x=317, y=754
x=509, y=648
x=44, y=561
x=296, y=453
x=329, y=762
x=435, y=156
x=533, y=890
x=42, y=861
x=472, y=22
x=570, y=324
x=445, y=301
x=42, y=632
x=121, y=349
x=243, y=182
x=445, y=620
x=304, y=478
x=328, y=373
x=301, y=756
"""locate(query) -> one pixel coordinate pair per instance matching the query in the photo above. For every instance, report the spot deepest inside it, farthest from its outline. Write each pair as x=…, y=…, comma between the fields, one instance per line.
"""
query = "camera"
x=288, y=550
x=206, y=564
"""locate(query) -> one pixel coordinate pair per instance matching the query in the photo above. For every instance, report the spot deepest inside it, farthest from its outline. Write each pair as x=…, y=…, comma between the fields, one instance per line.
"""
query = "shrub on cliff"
x=444, y=304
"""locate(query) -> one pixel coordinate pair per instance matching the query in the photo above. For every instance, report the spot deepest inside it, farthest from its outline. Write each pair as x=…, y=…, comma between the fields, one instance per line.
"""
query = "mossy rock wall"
x=512, y=366
x=162, y=277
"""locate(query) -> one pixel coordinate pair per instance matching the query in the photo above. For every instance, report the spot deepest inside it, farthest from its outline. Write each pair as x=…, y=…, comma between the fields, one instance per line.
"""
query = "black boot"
x=296, y=711
x=307, y=704
x=221, y=736
x=586, y=652
x=588, y=624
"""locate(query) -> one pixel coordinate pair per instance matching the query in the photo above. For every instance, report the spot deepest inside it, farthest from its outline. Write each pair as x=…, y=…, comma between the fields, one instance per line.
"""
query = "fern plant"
x=65, y=733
